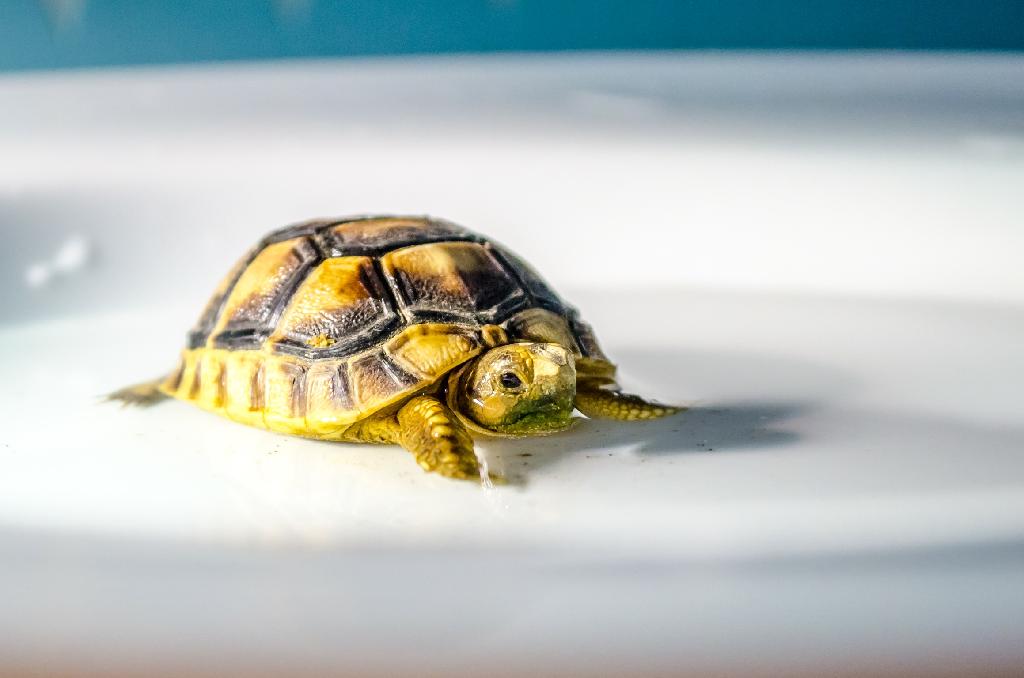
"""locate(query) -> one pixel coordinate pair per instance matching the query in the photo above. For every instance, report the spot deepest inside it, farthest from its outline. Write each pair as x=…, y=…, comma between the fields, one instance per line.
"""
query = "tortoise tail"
x=139, y=395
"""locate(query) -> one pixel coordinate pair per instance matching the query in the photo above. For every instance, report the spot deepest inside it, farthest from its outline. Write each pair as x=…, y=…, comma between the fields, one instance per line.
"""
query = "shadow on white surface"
x=700, y=430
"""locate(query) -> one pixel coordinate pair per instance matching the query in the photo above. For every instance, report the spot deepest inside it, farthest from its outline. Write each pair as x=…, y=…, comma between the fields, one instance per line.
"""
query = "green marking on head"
x=518, y=389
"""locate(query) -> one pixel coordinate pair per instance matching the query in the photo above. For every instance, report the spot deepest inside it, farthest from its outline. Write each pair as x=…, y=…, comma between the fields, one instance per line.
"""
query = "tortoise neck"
x=454, y=393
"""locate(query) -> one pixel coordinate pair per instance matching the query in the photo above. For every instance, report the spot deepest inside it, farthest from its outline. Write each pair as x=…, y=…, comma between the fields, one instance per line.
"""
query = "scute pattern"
x=250, y=310
x=380, y=235
x=587, y=341
x=432, y=349
x=338, y=304
x=309, y=228
x=208, y=318
x=377, y=379
x=457, y=281
x=328, y=395
x=285, y=396
x=328, y=321
x=336, y=289
x=540, y=324
x=535, y=285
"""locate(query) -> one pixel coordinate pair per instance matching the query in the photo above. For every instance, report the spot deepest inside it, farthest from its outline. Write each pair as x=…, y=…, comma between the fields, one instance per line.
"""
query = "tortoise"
x=393, y=329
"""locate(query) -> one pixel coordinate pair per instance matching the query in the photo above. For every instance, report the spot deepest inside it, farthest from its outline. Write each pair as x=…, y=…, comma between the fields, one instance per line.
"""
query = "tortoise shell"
x=352, y=315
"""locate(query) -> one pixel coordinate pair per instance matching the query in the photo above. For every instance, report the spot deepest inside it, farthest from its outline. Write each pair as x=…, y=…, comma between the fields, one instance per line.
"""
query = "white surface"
x=868, y=174
x=811, y=431
x=822, y=258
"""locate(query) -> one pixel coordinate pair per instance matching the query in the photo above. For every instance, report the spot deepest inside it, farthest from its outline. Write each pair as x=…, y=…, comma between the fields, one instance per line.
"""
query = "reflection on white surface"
x=70, y=258
x=852, y=466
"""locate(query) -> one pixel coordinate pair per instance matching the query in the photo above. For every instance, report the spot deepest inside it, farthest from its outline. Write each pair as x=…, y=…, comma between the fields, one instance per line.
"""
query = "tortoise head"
x=517, y=390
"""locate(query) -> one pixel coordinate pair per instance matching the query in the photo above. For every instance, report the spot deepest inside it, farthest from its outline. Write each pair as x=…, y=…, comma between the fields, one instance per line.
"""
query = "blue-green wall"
x=69, y=33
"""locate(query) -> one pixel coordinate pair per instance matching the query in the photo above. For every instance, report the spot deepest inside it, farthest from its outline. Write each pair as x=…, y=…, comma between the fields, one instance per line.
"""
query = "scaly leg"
x=601, y=403
x=139, y=395
x=432, y=432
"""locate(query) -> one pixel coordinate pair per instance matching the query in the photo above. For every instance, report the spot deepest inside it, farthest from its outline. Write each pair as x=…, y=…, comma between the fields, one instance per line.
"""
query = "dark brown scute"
x=346, y=326
x=495, y=284
x=174, y=380
x=208, y=318
x=341, y=390
x=586, y=340
x=537, y=288
x=297, y=375
x=258, y=388
x=197, y=380
x=379, y=235
x=303, y=228
x=476, y=288
x=222, y=383
x=252, y=321
x=377, y=378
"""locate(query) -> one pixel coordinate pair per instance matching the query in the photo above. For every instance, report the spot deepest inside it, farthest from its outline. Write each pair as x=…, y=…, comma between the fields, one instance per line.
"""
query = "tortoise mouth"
x=548, y=415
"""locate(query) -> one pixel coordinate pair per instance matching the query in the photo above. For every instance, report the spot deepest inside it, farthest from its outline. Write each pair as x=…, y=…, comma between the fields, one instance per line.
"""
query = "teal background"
x=73, y=33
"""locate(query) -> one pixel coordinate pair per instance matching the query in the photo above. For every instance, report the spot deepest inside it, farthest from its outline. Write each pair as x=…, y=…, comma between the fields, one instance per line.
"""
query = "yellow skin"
x=516, y=390
x=519, y=389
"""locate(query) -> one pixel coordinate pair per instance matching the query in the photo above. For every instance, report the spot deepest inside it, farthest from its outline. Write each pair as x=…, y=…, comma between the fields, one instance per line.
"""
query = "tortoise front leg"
x=603, y=403
x=438, y=440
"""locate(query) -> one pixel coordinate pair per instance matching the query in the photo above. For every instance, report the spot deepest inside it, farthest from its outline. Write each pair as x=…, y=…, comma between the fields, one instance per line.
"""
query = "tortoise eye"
x=510, y=380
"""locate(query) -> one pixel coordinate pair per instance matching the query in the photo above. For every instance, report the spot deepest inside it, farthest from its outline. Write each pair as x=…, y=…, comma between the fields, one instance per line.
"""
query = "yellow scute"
x=430, y=350
x=334, y=289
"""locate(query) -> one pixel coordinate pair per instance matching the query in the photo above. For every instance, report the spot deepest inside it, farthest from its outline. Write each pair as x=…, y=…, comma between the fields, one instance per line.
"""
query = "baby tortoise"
x=407, y=330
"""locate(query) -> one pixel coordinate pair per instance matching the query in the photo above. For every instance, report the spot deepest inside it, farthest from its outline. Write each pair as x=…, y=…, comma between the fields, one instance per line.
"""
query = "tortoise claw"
x=449, y=464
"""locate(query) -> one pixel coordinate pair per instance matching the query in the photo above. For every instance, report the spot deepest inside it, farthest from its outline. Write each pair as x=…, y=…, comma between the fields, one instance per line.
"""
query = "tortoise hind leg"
x=601, y=403
x=139, y=395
